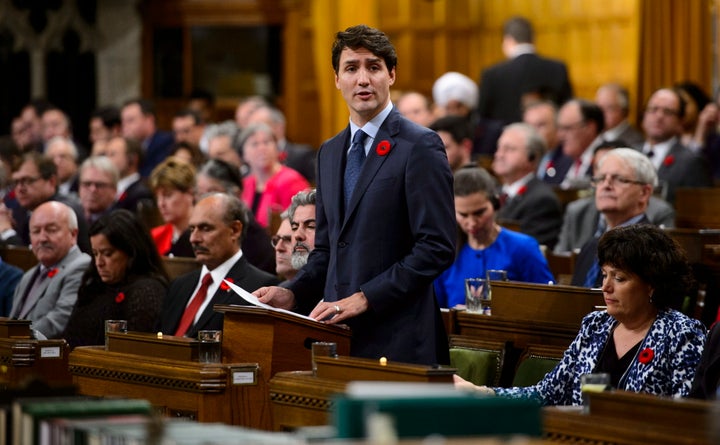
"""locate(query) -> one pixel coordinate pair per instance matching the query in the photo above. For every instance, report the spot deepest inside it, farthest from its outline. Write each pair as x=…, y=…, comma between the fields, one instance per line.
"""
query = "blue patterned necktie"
x=355, y=159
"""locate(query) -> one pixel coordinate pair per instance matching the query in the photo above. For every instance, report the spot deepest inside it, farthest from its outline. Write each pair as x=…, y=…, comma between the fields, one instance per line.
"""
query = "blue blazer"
x=396, y=236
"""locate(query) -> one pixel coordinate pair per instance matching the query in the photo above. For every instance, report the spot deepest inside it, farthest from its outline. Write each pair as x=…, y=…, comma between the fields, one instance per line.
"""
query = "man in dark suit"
x=35, y=182
x=676, y=165
x=47, y=293
x=504, y=87
x=299, y=157
x=554, y=164
x=623, y=183
x=132, y=193
x=379, y=243
x=217, y=226
x=138, y=123
x=524, y=197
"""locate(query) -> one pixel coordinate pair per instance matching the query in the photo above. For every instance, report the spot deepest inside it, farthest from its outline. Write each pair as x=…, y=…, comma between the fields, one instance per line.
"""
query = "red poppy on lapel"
x=282, y=157
x=52, y=272
x=224, y=285
x=122, y=197
x=521, y=191
x=669, y=160
x=119, y=297
x=383, y=148
x=646, y=356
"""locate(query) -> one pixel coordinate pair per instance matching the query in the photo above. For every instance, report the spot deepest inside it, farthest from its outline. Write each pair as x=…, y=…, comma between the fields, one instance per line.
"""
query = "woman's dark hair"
x=126, y=233
x=468, y=181
x=652, y=255
x=223, y=172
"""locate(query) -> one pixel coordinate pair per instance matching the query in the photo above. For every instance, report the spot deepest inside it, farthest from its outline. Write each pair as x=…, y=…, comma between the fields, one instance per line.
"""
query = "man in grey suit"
x=614, y=101
x=47, y=293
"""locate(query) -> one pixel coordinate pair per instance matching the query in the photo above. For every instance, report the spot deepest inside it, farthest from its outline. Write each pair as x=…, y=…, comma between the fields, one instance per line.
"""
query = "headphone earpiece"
x=495, y=201
x=531, y=156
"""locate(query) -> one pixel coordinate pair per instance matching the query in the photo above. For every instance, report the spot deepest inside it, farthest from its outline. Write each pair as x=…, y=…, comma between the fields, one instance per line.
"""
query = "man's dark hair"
x=187, y=112
x=45, y=165
x=205, y=95
x=109, y=115
x=363, y=36
x=133, y=149
x=591, y=112
x=457, y=126
x=520, y=29
x=235, y=210
x=146, y=106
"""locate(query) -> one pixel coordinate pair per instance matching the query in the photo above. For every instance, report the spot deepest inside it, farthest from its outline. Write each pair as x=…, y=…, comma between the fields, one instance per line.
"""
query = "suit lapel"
x=337, y=156
x=237, y=273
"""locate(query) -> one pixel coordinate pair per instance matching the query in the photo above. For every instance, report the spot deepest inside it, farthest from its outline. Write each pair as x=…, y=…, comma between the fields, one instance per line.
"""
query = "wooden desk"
x=625, y=418
x=18, y=256
x=178, y=388
x=23, y=358
x=301, y=399
x=697, y=208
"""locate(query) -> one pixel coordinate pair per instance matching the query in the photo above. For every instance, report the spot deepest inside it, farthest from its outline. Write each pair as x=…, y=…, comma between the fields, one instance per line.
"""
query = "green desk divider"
x=461, y=415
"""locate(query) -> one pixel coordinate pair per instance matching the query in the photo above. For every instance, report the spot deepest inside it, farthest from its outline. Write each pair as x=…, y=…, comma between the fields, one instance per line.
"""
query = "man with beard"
x=301, y=214
x=218, y=225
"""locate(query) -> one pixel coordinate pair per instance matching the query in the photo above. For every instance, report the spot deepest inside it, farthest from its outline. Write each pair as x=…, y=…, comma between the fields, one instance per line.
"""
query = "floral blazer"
x=665, y=362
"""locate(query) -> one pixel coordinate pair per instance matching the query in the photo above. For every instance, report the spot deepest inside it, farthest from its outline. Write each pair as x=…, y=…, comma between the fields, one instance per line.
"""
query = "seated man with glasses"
x=98, y=187
x=34, y=182
x=623, y=182
x=676, y=165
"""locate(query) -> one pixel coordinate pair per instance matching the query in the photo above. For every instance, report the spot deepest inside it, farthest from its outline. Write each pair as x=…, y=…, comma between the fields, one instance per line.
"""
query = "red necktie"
x=192, y=308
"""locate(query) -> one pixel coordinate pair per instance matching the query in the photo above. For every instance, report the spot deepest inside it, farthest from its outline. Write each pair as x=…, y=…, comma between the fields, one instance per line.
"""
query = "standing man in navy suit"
x=507, y=86
x=217, y=227
x=377, y=251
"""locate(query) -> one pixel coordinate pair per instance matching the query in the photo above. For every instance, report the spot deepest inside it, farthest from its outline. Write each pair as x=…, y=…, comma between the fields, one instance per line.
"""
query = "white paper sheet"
x=252, y=299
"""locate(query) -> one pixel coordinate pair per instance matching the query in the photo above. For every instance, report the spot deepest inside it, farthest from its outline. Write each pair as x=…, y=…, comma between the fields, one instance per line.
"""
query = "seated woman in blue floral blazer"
x=639, y=340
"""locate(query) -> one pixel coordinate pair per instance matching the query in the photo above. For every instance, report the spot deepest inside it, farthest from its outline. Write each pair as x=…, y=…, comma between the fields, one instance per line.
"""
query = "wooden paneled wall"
x=598, y=41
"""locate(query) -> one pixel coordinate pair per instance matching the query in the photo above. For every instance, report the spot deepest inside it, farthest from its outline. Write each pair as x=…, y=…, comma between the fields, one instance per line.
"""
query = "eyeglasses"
x=97, y=185
x=667, y=112
x=571, y=127
x=613, y=180
x=24, y=182
x=277, y=239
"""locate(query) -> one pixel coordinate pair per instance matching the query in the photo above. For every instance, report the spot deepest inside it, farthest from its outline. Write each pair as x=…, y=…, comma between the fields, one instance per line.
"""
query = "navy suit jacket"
x=181, y=290
x=395, y=238
x=156, y=149
x=138, y=192
x=503, y=85
x=538, y=211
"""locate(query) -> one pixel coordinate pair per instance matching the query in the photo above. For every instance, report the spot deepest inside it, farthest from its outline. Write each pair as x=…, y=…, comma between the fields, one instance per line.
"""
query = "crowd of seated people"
x=208, y=190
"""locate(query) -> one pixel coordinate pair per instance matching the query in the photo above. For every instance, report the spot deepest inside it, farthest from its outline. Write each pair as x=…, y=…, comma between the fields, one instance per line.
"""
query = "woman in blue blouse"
x=639, y=340
x=484, y=245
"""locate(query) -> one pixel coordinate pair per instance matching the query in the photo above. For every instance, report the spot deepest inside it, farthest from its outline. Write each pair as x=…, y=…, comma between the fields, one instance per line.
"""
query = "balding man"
x=526, y=199
x=614, y=101
x=47, y=293
x=217, y=227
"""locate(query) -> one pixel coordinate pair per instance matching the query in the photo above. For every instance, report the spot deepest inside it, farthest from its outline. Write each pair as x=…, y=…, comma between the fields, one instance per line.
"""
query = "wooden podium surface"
x=301, y=399
x=163, y=369
x=626, y=418
x=23, y=358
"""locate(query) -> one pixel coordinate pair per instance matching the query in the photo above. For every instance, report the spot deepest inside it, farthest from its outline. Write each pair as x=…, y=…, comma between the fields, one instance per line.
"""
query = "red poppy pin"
x=669, y=160
x=521, y=191
x=646, y=356
x=119, y=297
x=224, y=285
x=52, y=272
x=123, y=197
x=282, y=157
x=383, y=148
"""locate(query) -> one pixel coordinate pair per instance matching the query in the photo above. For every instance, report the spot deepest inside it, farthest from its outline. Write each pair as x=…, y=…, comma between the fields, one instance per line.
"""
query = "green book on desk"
x=426, y=412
